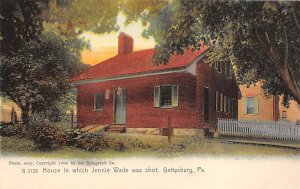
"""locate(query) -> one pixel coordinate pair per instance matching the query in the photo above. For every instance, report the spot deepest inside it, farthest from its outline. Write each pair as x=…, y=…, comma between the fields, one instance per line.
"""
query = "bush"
x=46, y=137
x=84, y=140
x=10, y=129
x=92, y=144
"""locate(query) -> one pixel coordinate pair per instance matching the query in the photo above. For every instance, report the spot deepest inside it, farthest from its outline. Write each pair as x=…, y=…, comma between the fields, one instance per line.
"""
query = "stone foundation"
x=148, y=131
x=188, y=132
x=162, y=131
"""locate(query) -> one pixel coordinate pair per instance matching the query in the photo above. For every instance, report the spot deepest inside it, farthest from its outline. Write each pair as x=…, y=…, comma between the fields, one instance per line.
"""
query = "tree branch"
x=272, y=52
x=295, y=17
x=260, y=39
x=297, y=48
x=286, y=46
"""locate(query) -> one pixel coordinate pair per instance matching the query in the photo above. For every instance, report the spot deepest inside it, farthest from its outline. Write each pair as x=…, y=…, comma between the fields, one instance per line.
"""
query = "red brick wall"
x=140, y=106
x=215, y=81
x=141, y=112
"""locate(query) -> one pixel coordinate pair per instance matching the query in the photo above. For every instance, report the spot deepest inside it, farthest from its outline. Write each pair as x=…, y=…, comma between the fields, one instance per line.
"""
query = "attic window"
x=166, y=96
x=228, y=70
x=218, y=66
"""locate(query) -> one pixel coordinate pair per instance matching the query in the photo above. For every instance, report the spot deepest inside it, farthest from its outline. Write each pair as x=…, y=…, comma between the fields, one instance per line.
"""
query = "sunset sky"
x=106, y=45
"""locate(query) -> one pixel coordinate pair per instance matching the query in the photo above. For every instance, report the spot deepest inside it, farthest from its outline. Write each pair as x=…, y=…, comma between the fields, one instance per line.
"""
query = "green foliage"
x=260, y=38
x=8, y=129
x=16, y=130
x=20, y=22
x=37, y=77
x=46, y=137
x=84, y=140
x=71, y=18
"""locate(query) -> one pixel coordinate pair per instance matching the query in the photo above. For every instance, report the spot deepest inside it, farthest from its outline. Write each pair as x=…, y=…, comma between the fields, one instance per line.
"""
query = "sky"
x=103, y=47
x=106, y=45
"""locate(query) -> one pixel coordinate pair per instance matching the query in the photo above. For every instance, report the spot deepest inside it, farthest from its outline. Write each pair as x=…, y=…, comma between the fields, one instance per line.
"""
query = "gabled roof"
x=134, y=63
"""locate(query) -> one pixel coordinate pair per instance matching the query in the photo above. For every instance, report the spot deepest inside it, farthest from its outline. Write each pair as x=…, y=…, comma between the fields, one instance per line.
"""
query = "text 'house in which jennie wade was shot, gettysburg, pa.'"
x=128, y=91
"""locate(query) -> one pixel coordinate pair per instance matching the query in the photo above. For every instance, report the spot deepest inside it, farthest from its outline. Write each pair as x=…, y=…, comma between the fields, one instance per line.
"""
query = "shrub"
x=8, y=129
x=11, y=129
x=72, y=136
x=92, y=144
x=46, y=137
x=85, y=140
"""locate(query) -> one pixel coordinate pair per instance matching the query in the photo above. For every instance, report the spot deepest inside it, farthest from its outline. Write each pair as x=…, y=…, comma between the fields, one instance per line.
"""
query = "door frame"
x=114, y=111
x=206, y=103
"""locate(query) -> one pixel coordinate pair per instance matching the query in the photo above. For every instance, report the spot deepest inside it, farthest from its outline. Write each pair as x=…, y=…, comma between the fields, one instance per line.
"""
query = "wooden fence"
x=259, y=129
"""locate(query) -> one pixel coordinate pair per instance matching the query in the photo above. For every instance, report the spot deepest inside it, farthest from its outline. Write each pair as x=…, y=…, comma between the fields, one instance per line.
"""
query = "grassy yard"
x=139, y=145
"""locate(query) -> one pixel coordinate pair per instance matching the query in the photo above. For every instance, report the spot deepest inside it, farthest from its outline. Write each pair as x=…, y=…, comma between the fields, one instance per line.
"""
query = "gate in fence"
x=259, y=129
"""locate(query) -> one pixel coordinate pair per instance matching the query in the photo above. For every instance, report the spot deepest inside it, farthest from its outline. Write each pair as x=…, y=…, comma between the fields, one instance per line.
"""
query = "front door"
x=206, y=104
x=120, y=106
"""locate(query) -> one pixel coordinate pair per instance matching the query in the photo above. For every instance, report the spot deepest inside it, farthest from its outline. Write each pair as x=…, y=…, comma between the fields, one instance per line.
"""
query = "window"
x=228, y=70
x=218, y=101
x=284, y=116
x=232, y=107
x=218, y=66
x=166, y=96
x=98, y=101
x=251, y=105
x=226, y=104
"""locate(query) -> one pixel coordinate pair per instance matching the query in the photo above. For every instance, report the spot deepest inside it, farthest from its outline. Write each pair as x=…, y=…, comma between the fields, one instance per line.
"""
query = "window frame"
x=226, y=104
x=174, y=96
x=247, y=107
x=284, y=115
x=160, y=100
x=101, y=102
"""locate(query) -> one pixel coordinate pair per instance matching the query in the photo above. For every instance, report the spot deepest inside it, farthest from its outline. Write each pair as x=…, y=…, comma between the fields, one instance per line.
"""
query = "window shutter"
x=174, y=95
x=221, y=102
x=245, y=104
x=256, y=105
x=156, y=96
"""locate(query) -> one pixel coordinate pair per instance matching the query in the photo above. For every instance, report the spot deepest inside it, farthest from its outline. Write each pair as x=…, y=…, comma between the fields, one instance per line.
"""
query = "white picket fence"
x=259, y=129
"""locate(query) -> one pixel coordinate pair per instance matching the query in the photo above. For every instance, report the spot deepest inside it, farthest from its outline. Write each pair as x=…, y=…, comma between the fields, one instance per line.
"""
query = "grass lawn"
x=139, y=145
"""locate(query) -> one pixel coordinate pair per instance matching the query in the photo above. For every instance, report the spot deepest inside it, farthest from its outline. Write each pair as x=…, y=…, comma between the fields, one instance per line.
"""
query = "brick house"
x=257, y=106
x=129, y=91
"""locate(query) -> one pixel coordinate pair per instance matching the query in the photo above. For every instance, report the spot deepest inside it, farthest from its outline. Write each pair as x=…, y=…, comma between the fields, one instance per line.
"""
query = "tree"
x=20, y=21
x=261, y=39
x=72, y=17
x=37, y=76
x=25, y=20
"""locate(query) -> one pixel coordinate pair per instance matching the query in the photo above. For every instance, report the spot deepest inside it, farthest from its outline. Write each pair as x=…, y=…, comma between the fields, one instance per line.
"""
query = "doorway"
x=120, y=106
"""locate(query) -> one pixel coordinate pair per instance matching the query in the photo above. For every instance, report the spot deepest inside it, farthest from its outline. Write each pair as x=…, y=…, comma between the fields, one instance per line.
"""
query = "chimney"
x=125, y=44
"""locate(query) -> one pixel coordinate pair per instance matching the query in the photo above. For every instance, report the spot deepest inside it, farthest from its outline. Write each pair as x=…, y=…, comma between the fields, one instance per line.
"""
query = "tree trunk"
x=25, y=115
x=290, y=83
